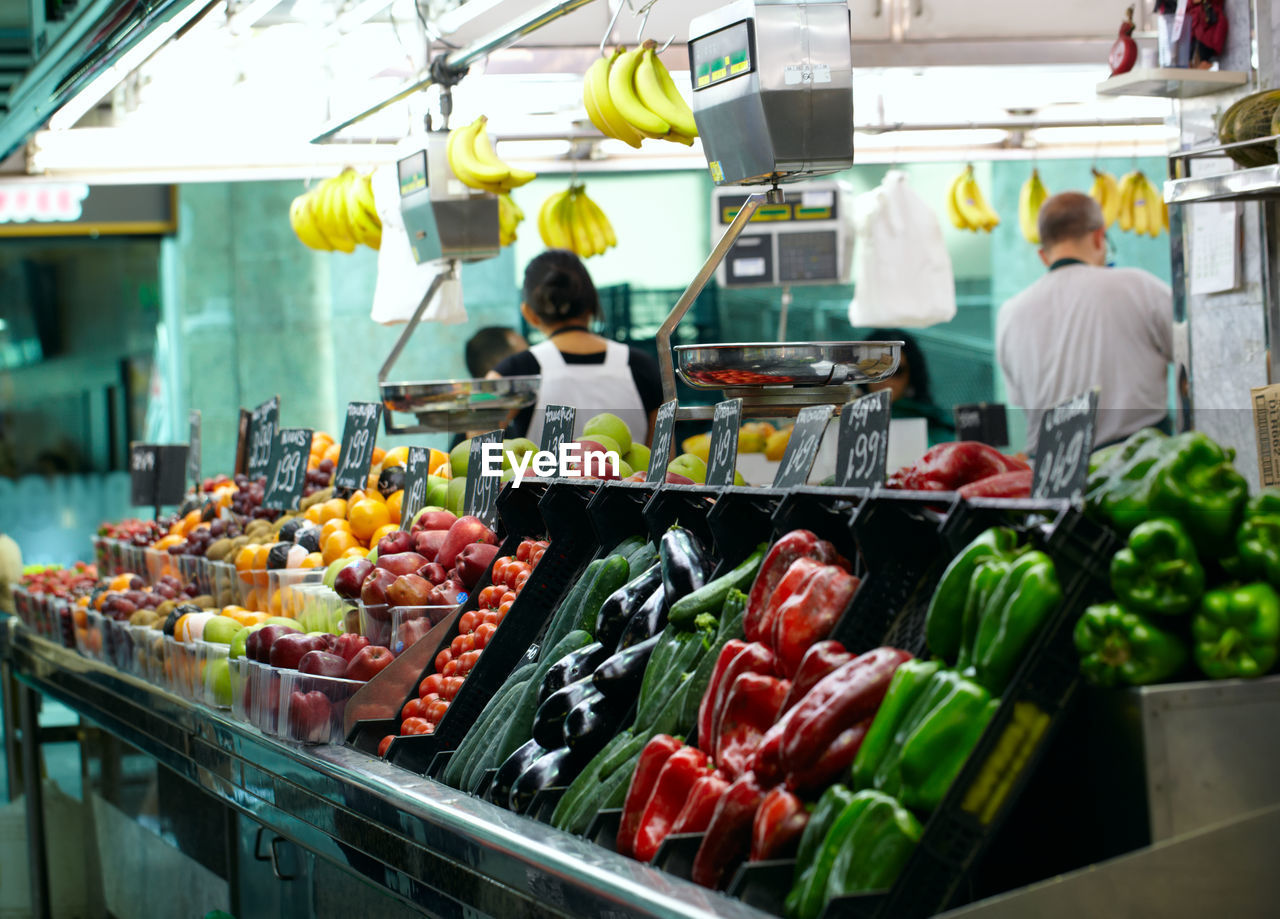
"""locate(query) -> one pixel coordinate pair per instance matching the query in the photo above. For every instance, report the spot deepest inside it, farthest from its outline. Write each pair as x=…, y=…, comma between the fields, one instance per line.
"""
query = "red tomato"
x=503, y=609
x=537, y=557
x=484, y=632
x=384, y=743
x=499, y=572
x=469, y=659
x=513, y=572
x=450, y=669
x=412, y=709
x=468, y=621
x=543, y=543
x=451, y=687
x=442, y=659
x=507, y=597
x=462, y=644
x=489, y=597
x=436, y=710
x=521, y=579
x=431, y=697
x=524, y=549
x=412, y=726
x=490, y=618
x=430, y=684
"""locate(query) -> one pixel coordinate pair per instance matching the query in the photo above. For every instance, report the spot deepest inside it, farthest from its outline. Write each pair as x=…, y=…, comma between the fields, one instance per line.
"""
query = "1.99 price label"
x=287, y=472
x=863, y=448
x=359, y=436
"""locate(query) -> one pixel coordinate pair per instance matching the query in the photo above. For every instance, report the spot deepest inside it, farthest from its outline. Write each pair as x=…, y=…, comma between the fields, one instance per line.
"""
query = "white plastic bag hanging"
x=903, y=269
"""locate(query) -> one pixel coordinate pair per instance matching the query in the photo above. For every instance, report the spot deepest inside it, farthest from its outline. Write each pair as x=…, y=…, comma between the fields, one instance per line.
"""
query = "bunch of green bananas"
x=471, y=157
x=570, y=220
x=1139, y=206
x=338, y=214
x=1030, y=199
x=630, y=96
x=966, y=206
x=509, y=217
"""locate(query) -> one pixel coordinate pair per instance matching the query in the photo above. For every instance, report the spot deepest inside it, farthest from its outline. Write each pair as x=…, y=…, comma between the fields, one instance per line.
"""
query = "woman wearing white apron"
x=578, y=367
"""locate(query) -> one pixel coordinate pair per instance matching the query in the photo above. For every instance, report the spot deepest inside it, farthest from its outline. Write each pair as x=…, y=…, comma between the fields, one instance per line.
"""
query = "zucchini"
x=584, y=797
x=710, y=597
x=643, y=557
x=520, y=727
x=612, y=575
x=471, y=759
x=453, y=772
x=567, y=613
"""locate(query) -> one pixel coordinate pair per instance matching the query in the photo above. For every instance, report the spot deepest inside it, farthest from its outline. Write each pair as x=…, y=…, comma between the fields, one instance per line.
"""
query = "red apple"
x=464, y=532
x=427, y=543
x=349, y=578
x=257, y=646
x=473, y=561
x=434, y=520
x=310, y=716
x=675, y=478
x=395, y=543
x=369, y=663
x=374, y=590
x=288, y=650
x=400, y=563
x=411, y=631
x=409, y=590
x=433, y=572
x=445, y=594
x=349, y=645
x=322, y=663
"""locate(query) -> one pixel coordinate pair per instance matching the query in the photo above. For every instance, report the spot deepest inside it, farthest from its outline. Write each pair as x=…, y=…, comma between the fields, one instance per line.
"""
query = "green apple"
x=624, y=469
x=437, y=491
x=610, y=445
x=457, y=495
x=331, y=573
x=372, y=556
x=738, y=479
x=458, y=457
x=610, y=426
x=281, y=620
x=689, y=466
x=514, y=450
x=507, y=475
x=221, y=629
x=238, y=640
x=217, y=681
x=638, y=456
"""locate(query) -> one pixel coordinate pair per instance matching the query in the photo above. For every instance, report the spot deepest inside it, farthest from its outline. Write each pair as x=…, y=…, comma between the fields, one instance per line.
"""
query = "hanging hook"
x=643, y=12
x=612, y=22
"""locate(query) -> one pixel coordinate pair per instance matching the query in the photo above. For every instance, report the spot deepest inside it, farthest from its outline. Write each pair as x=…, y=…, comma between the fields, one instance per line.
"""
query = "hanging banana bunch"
x=966, y=206
x=471, y=157
x=1141, y=208
x=630, y=96
x=337, y=215
x=1030, y=199
x=509, y=217
x=1106, y=191
x=570, y=220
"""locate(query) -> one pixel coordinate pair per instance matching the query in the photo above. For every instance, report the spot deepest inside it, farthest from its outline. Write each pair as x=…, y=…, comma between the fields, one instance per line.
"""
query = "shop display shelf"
x=1171, y=82
x=1258, y=183
x=159, y=563
x=148, y=650
x=241, y=693
x=89, y=638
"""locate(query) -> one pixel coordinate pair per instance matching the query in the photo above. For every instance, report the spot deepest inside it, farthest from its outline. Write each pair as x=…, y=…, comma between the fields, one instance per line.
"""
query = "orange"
x=274, y=604
x=244, y=562
x=396, y=456
x=333, y=509
x=120, y=582
x=253, y=618
x=251, y=601
x=260, y=558
x=381, y=532
x=313, y=512
x=355, y=552
x=321, y=441
x=333, y=526
x=393, y=505
x=164, y=542
x=332, y=453
x=366, y=517
x=333, y=547
x=437, y=459
x=313, y=560
x=378, y=454
x=190, y=522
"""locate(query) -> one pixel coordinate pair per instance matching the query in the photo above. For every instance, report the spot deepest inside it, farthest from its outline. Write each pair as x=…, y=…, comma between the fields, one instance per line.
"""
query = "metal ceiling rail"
x=450, y=68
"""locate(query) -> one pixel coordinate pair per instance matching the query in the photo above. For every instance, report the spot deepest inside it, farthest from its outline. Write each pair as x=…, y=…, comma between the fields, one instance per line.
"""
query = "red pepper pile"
x=782, y=718
x=475, y=627
x=971, y=468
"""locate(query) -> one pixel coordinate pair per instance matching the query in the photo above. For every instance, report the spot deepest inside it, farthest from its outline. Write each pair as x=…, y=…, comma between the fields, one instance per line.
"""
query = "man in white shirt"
x=1084, y=325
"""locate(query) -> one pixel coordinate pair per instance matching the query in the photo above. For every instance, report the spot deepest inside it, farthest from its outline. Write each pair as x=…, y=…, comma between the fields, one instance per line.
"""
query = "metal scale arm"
x=450, y=273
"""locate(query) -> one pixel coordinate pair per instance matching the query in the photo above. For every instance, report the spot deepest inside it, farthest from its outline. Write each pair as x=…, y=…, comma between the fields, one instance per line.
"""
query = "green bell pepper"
x=870, y=851
x=987, y=577
x=944, y=623
x=830, y=806
x=1158, y=571
x=1237, y=631
x=1119, y=647
x=1117, y=487
x=1018, y=608
x=1258, y=539
x=905, y=687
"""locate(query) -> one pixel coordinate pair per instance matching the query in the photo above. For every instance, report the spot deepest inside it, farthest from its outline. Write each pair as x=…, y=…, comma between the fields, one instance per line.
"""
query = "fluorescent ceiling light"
x=248, y=14
x=358, y=15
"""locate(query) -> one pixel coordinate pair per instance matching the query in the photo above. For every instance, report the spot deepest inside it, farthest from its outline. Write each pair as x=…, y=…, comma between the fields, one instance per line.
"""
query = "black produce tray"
x=764, y=885
x=603, y=829
x=730, y=522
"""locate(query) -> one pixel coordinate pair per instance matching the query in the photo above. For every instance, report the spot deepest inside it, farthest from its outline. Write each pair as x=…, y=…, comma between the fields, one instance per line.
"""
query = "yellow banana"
x=590, y=217
x=466, y=161
x=1106, y=191
x=597, y=82
x=1155, y=208
x=602, y=221
x=550, y=226
x=622, y=90
x=363, y=218
x=972, y=206
x=1164, y=214
x=1128, y=190
x=583, y=244
x=953, y=209
x=660, y=95
x=334, y=223
x=1030, y=198
x=304, y=226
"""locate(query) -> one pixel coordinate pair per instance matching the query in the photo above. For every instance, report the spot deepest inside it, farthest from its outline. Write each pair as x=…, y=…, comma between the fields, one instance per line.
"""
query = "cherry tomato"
x=504, y=609
x=521, y=579
x=451, y=687
x=490, y=618
x=537, y=557
x=443, y=658
x=430, y=684
x=412, y=709
x=468, y=621
x=384, y=743
x=412, y=726
x=450, y=669
x=513, y=571
x=484, y=632
x=543, y=543
x=462, y=644
x=489, y=597
x=524, y=549
x=469, y=659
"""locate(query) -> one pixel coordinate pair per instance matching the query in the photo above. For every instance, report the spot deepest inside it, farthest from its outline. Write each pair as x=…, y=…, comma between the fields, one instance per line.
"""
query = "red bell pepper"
x=840, y=700
x=949, y=466
x=751, y=707
x=681, y=771
x=700, y=806
x=728, y=839
x=653, y=757
x=794, y=545
x=1016, y=484
x=810, y=613
x=754, y=658
x=802, y=571
x=779, y=822
x=815, y=778
x=713, y=693
x=821, y=658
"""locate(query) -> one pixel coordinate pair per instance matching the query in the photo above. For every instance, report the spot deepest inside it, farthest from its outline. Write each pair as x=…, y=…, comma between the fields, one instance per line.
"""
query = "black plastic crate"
x=739, y=521
x=685, y=505
x=763, y=885
x=677, y=852
x=603, y=829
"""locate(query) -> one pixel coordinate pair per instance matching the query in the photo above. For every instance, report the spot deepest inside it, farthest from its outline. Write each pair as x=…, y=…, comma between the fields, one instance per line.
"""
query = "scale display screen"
x=808, y=256
x=800, y=205
x=721, y=55
x=412, y=173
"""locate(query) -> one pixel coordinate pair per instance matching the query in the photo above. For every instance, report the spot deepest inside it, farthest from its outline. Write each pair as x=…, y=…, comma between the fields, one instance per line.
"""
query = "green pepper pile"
x=1198, y=576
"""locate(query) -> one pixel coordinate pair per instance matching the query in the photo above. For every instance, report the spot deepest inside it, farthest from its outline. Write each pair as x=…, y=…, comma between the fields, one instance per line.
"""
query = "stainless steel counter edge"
x=420, y=839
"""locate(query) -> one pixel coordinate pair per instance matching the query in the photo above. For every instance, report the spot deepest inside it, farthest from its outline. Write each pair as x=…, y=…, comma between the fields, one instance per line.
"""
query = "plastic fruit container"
x=89, y=639
x=180, y=667
x=223, y=582
x=375, y=623
x=264, y=697
x=22, y=605
x=409, y=623
x=213, y=664
x=282, y=596
x=159, y=563
x=241, y=694
x=119, y=645
x=66, y=624
x=142, y=641
x=253, y=595
x=312, y=707
x=319, y=609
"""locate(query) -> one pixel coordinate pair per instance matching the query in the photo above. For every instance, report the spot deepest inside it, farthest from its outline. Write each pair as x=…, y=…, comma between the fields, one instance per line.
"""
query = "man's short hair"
x=1067, y=217
x=489, y=346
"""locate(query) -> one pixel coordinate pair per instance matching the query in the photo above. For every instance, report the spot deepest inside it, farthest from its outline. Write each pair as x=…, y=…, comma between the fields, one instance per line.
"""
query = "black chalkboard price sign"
x=193, y=447
x=1063, y=448
x=723, y=461
x=802, y=446
x=359, y=436
x=557, y=427
x=263, y=423
x=481, y=498
x=985, y=422
x=416, y=479
x=863, y=447
x=157, y=474
x=664, y=430
x=287, y=472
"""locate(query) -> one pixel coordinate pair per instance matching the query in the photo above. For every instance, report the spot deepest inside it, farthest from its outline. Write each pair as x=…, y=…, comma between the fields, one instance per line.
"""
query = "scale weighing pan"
x=451, y=406
x=800, y=363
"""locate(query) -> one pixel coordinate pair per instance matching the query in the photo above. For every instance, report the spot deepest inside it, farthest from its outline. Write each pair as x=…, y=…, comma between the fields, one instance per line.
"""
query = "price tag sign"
x=723, y=460
x=359, y=435
x=557, y=427
x=482, y=490
x=863, y=447
x=985, y=422
x=664, y=430
x=1063, y=448
x=802, y=446
x=242, y=441
x=287, y=472
x=415, y=485
x=262, y=436
x=144, y=474
x=193, y=447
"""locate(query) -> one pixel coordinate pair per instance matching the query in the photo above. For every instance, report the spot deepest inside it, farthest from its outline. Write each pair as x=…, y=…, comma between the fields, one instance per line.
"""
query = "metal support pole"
x=37, y=865
x=9, y=712
x=786, y=307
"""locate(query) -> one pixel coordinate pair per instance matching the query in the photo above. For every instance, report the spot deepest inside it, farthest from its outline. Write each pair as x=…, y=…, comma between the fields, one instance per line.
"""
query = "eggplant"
x=594, y=722
x=647, y=621
x=515, y=766
x=620, y=605
x=558, y=767
x=685, y=566
x=620, y=674
x=571, y=668
x=548, y=722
